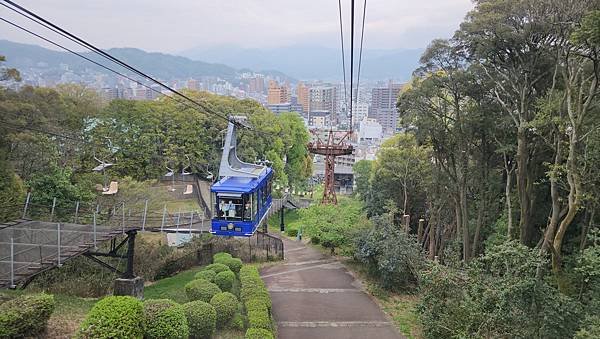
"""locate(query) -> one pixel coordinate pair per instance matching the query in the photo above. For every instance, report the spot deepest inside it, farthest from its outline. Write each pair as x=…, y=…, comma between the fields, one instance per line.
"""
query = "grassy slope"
x=172, y=287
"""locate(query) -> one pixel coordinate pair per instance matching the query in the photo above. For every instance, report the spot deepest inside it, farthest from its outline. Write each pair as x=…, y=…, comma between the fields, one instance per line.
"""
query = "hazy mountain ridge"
x=312, y=62
x=160, y=65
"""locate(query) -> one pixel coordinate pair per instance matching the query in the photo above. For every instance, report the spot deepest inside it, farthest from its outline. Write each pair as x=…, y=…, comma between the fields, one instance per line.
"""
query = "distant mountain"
x=312, y=62
x=163, y=66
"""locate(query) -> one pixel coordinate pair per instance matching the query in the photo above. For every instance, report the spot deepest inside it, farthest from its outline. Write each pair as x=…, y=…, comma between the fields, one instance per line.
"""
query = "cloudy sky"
x=176, y=25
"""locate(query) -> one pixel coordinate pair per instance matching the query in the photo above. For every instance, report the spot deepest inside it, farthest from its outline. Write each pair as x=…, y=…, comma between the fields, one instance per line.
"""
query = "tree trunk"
x=507, y=188
x=523, y=187
x=555, y=198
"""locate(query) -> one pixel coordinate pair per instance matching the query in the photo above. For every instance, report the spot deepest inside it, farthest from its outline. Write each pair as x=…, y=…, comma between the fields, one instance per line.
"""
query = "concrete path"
x=314, y=296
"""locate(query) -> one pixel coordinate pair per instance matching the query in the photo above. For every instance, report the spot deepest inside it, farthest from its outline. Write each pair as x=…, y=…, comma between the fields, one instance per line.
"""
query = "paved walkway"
x=314, y=296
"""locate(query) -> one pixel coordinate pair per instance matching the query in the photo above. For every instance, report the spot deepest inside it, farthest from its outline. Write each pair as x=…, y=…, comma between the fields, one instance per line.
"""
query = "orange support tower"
x=330, y=150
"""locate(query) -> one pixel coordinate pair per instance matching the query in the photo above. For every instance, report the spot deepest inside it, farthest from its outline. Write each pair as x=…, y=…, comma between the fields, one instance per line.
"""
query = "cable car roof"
x=240, y=184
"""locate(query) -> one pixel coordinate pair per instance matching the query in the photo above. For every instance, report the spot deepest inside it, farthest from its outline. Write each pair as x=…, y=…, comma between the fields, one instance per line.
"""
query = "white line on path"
x=292, y=271
x=315, y=290
x=334, y=323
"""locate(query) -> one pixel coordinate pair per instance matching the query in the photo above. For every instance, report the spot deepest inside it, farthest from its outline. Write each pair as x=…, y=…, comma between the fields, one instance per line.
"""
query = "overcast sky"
x=172, y=26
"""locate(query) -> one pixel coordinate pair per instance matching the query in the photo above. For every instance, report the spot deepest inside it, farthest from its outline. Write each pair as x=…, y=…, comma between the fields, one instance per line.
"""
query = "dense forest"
x=500, y=157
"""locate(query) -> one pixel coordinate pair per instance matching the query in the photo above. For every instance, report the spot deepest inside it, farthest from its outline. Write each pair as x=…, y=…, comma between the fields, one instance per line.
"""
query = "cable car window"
x=247, y=208
x=229, y=207
x=254, y=203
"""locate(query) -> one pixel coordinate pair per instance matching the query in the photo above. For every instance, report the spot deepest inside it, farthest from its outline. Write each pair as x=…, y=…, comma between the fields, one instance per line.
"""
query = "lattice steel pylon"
x=330, y=150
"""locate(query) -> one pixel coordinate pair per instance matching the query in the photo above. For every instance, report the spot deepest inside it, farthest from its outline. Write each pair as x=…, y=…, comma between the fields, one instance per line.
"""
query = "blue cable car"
x=241, y=199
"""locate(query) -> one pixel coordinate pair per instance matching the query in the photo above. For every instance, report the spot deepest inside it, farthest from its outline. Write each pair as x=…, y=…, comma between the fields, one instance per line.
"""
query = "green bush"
x=165, y=319
x=234, y=264
x=114, y=317
x=258, y=333
x=217, y=267
x=258, y=315
x=221, y=256
x=208, y=275
x=200, y=289
x=225, y=280
x=590, y=328
x=253, y=287
x=498, y=296
x=237, y=322
x=201, y=317
x=391, y=256
x=292, y=232
x=26, y=315
x=225, y=304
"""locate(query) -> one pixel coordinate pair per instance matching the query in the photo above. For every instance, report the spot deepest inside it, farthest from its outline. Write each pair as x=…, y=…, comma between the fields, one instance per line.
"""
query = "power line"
x=102, y=53
x=343, y=53
x=16, y=127
x=45, y=23
x=351, y=59
x=362, y=36
x=90, y=60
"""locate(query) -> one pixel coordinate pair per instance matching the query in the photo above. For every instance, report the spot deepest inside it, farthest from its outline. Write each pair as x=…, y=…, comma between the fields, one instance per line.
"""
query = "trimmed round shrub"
x=25, y=316
x=226, y=304
x=258, y=315
x=217, y=267
x=165, y=319
x=201, y=289
x=114, y=317
x=234, y=264
x=225, y=280
x=201, y=317
x=258, y=333
x=208, y=275
x=218, y=257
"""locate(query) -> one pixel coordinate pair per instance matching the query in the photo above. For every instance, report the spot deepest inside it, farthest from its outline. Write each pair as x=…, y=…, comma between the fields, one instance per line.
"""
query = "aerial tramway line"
x=336, y=144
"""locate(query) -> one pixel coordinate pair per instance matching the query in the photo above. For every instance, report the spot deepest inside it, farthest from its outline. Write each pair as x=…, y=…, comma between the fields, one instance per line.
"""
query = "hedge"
x=252, y=286
x=217, y=267
x=114, y=317
x=208, y=275
x=258, y=314
x=201, y=289
x=258, y=333
x=165, y=318
x=225, y=304
x=25, y=315
x=201, y=317
x=257, y=303
x=225, y=280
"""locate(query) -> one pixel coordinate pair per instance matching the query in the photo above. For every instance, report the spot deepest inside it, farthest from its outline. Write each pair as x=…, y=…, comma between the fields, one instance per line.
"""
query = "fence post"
x=76, y=212
x=407, y=223
x=145, y=211
x=420, y=230
x=26, y=205
x=58, y=245
x=52, y=212
x=162, y=224
x=94, y=231
x=202, y=224
x=191, y=220
x=12, y=262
